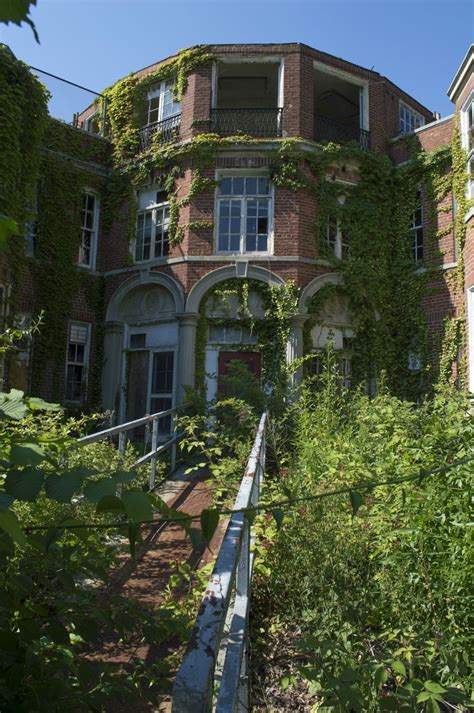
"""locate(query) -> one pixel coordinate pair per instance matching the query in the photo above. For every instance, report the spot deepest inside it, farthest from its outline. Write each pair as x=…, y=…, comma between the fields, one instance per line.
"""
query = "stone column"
x=187, y=325
x=111, y=369
x=295, y=346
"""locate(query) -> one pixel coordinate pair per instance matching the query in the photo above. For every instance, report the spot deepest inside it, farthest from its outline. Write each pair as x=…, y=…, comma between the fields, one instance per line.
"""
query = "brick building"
x=136, y=304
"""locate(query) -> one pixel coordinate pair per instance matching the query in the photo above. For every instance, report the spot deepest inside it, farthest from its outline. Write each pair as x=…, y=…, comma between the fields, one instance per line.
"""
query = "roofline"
x=459, y=76
x=295, y=44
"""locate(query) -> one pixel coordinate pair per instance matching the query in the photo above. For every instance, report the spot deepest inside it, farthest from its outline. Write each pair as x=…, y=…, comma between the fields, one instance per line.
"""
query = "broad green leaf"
x=57, y=633
x=381, y=675
x=432, y=706
x=37, y=404
x=99, y=489
x=137, y=505
x=8, y=226
x=285, y=682
x=62, y=487
x=195, y=536
x=12, y=405
x=434, y=687
x=278, y=516
x=17, y=11
x=24, y=484
x=110, y=503
x=209, y=522
x=124, y=476
x=52, y=534
x=356, y=501
x=250, y=516
x=9, y=522
x=399, y=667
x=23, y=583
x=26, y=454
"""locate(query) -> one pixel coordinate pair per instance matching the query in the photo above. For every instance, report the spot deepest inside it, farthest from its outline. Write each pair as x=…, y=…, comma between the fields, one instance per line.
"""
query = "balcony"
x=160, y=132
x=326, y=129
x=260, y=123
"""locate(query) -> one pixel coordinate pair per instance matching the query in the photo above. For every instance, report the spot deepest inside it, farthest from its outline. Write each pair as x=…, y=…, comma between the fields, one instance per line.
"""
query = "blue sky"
x=418, y=44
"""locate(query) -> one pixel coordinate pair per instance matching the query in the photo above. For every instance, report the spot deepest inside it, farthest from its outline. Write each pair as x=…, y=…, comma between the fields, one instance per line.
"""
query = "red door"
x=253, y=361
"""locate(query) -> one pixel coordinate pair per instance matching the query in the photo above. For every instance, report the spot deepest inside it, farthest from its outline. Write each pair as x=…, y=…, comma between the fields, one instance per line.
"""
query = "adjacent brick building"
x=139, y=338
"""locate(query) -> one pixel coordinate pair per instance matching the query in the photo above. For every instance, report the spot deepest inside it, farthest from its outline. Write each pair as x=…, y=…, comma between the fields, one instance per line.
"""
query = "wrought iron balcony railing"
x=160, y=131
x=329, y=130
x=261, y=123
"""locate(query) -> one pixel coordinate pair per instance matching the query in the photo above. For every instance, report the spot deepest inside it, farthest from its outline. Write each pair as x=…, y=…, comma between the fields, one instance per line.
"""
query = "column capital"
x=188, y=319
x=298, y=320
x=112, y=327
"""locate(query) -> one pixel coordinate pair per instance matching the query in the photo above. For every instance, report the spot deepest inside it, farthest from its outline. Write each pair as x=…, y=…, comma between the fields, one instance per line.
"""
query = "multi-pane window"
x=343, y=365
x=162, y=103
x=77, y=361
x=161, y=392
x=409, y=120
x=89, y=228
x=31, y=228
x=337, y=240
x=244, y=208
x=151, y=239
x=417, y=230
x=231, y=335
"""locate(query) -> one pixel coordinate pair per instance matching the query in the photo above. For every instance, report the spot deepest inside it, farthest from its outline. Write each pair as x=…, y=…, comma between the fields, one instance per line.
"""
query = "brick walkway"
x=144, y=579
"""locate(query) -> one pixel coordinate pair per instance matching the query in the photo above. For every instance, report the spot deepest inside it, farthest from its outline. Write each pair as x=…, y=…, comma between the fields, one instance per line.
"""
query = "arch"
x=225, y=273
x=329, y=278
x=140, y=280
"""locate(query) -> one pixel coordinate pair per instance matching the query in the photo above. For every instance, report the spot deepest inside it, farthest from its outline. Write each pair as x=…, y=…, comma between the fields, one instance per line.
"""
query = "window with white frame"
x=337, y=239
x=77, y=361
x=417, y=230
x=221, y=334
x=467, y=124
x=161, y=387
x=162, y=103
x=409, y=120
x=153, y=217
x=89, y=229
x=470, y=179
x=244, y=210
x=31, y=228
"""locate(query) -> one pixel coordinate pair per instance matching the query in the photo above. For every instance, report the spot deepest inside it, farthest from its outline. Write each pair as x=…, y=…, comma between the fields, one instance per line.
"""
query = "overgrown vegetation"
x=366, y=593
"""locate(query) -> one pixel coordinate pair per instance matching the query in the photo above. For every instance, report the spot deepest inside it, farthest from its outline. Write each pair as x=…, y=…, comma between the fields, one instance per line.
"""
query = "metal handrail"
x=122, y=429
x=211, y=654
x=259, y=122
x=165, y=130
x=326, y=129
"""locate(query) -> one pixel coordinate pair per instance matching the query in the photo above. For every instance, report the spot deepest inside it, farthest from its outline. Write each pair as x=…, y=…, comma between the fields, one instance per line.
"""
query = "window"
x=470, y=179
x=231, y=335
x=337, y=240
x=31, y=229
x=77, y=362
x=244, y=208
x=91, y=124
x=162, y=103
x=89, y=229
x=409, y=120
x=417, y=230
x=20, y=360
x=161, y=392
x=343, y=365
x=467, y=124
x=151, y=241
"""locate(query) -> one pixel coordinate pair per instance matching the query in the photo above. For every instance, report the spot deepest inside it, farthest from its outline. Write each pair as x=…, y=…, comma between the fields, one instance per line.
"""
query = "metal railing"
x=157, y=447
x=216, y=656
x=326, y=129
x=161, y=132
x=260, y=123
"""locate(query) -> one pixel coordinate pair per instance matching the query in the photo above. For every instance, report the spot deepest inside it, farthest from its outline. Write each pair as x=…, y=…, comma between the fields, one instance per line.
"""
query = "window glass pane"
x=251, y=186
x=225, y=186
x=162, y=376
x=263, y=185
x=238, y=186
x=234, y=243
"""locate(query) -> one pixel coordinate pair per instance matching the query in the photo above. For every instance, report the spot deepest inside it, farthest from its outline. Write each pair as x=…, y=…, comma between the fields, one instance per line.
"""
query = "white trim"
x=464, y=68
x=250, y=173
x=161, y=394
x=470, y=335
x=95, y=229
x=411, y=110
x=356, y=81
x=85, y=379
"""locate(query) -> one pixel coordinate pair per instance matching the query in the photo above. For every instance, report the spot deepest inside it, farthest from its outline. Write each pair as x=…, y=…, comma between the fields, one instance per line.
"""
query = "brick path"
x=145, y=578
